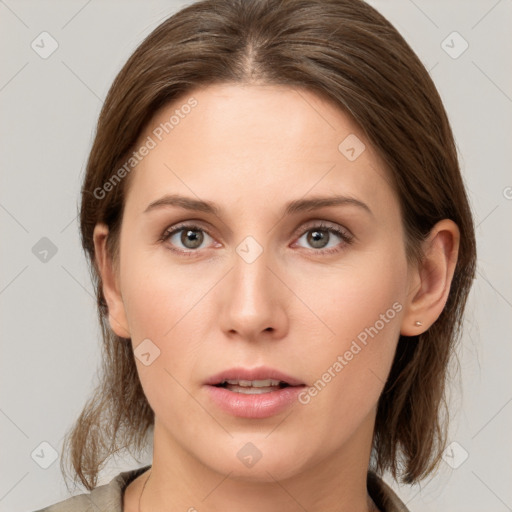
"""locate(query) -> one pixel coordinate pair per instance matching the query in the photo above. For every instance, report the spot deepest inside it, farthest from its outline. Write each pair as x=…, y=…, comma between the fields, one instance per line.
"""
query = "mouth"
x=253, y=393
x=252, y=387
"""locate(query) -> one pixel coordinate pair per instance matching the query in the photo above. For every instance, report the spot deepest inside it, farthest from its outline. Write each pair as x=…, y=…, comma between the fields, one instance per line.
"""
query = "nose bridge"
x=253, y=302
x=251, y=274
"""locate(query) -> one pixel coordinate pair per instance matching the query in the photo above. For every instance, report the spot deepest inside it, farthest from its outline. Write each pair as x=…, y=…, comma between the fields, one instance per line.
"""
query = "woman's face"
x=263, y=282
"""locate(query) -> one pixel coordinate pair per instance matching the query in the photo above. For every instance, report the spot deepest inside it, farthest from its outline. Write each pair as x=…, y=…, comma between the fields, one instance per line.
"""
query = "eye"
x=186, y=238
x=324, y=237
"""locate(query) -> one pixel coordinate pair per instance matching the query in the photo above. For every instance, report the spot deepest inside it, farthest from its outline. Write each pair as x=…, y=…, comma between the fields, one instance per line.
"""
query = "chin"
x=257, y=460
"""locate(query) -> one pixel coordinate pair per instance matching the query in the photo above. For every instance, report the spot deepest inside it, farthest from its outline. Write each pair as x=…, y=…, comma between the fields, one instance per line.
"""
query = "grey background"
x=50, y=339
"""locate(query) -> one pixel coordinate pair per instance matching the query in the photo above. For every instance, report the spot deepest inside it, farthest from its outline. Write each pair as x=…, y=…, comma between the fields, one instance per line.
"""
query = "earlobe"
x=110, y=284
x=430, y=282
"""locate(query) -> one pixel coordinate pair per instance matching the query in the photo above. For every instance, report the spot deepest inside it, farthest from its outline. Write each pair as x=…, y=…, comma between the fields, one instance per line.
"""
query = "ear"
x=110, y=283
x=430, y=281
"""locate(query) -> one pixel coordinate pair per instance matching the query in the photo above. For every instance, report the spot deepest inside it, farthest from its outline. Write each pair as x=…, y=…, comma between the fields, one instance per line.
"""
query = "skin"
x=251, y=150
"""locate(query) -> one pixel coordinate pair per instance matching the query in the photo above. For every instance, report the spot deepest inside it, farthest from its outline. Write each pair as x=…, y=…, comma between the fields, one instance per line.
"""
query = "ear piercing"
x=418, y=323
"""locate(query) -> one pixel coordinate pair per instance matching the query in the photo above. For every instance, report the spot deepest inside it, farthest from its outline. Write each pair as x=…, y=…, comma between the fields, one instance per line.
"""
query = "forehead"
x=276, y=116
x=261, y=141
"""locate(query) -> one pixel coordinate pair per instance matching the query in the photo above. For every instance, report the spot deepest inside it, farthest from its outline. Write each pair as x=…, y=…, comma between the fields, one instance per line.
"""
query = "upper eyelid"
x=303, y=228
x=173, y=229
x=301, y=231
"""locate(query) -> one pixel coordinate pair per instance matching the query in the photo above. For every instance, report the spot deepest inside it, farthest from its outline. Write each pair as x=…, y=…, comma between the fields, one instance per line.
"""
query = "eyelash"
x=347, y=238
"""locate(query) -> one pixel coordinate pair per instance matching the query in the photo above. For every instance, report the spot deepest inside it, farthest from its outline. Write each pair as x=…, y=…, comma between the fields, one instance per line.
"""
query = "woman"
x=282, y=249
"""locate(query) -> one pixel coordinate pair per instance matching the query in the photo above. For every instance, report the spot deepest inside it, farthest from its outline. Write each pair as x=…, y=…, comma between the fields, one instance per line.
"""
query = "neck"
x=336, y=482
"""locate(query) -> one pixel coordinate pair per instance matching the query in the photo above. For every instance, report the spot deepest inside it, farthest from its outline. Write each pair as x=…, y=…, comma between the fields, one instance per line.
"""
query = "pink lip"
x=253, y=406
x=260, y=373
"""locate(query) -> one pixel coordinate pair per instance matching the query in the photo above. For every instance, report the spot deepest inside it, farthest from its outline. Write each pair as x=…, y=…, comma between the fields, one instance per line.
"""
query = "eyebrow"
x=293, y=207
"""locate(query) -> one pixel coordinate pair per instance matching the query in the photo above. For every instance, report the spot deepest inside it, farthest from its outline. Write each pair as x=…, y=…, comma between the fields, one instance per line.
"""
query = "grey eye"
x=189, y=238
x=320, y=238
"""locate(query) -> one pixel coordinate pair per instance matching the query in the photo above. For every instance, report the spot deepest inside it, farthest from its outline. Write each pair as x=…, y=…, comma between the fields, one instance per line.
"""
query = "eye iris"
x=318, y=238
x=191, y=238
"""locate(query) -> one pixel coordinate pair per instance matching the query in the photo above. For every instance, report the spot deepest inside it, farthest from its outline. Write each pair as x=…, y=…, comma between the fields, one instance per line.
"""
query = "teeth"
x=268, y=383
x=251, y=390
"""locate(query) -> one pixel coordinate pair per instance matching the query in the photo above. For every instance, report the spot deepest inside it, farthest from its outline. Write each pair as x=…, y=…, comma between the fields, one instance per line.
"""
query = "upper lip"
x=259, y=373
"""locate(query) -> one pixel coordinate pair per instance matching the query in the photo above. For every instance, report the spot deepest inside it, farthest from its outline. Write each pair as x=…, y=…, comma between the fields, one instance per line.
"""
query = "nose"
x=254, y=298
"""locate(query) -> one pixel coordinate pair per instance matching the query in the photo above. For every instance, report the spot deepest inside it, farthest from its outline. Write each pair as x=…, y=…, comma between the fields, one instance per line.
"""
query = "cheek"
x=362, y=304
x=157, y=295
x=161, y=305
x=353, y=295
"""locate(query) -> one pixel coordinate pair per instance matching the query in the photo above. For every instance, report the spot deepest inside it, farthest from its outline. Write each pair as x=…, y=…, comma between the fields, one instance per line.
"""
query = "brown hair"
x=344, y=51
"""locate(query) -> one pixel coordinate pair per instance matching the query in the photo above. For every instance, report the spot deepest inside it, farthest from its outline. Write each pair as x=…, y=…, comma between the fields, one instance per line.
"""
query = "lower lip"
x=262, y=405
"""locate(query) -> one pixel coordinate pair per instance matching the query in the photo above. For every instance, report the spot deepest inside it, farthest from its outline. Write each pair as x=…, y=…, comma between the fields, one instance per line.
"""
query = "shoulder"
x=383, y=496
x=105, y=498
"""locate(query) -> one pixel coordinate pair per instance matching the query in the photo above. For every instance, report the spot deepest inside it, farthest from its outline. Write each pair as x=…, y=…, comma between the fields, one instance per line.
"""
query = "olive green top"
x=109, y=497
